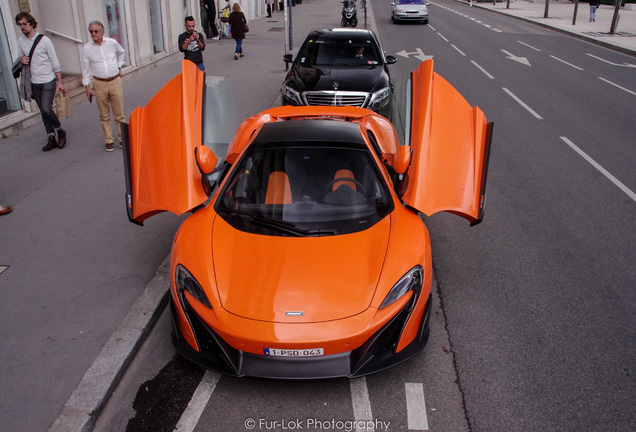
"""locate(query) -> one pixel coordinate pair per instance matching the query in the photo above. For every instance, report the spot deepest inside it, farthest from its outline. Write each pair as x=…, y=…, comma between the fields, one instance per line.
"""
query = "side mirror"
x=288, y=58
x=206, y=160
x=402, y=159
x=390, y=59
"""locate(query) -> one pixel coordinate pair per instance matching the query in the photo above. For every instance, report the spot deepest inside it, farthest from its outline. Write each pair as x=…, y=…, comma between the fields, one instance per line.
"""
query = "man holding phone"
x=102, y=59
x=191, y=43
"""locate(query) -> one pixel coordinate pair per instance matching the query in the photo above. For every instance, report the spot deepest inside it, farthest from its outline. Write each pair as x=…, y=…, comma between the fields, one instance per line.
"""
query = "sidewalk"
x=561, y=16
x=83, y=279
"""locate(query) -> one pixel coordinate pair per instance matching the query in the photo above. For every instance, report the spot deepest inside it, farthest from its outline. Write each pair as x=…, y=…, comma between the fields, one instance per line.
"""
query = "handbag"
x=16, y=70
x=245, y=27
x=63, y=105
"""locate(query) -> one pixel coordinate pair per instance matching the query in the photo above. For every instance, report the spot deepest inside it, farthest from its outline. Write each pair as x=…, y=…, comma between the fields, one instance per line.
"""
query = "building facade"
x=147, y=29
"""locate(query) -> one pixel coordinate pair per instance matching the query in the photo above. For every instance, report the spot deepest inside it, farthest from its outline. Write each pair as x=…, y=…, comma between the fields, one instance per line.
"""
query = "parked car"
x=409, y=10
x=340, y=67
x=304, y=256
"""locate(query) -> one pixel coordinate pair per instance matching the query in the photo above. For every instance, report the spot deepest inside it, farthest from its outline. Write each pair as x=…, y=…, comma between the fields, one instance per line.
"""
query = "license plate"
x=309, y=352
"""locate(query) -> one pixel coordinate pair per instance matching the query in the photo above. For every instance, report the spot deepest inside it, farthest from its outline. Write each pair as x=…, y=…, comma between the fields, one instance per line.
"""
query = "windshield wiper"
x=288, y=227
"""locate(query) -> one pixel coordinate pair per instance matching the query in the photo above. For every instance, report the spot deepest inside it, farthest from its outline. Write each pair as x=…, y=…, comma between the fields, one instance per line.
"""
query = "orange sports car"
x=304, y=256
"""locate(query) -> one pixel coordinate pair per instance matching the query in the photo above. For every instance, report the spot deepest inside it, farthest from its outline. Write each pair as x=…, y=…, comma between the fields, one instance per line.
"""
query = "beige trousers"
x=109, y=94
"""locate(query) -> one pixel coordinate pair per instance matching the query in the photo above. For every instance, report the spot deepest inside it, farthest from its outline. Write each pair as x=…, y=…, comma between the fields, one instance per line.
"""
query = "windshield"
x=339, y=51
x=410, y=2
x=304, y=189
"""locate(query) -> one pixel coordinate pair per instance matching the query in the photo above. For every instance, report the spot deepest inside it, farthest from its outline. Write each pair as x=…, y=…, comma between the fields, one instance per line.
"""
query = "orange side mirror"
x=206, y=159
x=402, y=159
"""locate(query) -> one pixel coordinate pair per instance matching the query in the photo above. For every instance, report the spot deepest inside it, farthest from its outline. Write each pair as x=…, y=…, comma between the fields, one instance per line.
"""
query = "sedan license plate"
x=308, y=352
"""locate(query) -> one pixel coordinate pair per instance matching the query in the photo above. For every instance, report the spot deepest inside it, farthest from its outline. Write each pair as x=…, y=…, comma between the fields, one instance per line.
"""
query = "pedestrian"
x=45, y=75
x=210, y=12
x=102, y=60
x=238, y=26
x=5, y=209
x=191, y=43
x=594, y=4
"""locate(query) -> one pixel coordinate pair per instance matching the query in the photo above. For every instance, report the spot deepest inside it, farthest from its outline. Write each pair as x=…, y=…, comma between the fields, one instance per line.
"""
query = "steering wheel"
x=359, y=186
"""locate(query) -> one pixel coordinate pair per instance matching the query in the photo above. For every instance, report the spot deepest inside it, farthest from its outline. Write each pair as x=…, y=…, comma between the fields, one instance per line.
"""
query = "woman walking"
x=238, y=28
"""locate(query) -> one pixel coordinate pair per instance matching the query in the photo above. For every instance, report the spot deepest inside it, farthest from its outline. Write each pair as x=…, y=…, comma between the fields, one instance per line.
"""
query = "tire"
x=343, y=22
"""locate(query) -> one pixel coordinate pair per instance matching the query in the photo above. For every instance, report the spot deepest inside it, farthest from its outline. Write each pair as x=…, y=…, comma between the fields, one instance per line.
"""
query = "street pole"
x=547, y=5
x=617, y=6
x=291, y=27
x=576, y=8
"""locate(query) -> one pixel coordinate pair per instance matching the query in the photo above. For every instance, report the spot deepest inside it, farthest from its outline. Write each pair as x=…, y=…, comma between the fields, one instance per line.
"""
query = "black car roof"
x=311, y=130
x=340, y=33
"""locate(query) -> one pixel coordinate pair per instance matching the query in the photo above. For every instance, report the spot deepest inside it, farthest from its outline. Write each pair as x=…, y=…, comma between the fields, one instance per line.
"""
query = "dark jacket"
x=236, y=21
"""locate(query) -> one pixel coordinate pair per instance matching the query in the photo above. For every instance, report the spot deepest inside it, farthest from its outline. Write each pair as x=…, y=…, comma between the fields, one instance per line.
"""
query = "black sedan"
x=340, y=67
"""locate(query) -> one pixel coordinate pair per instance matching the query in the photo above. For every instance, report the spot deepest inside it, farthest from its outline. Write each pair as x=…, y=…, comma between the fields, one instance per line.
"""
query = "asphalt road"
x=533, y=325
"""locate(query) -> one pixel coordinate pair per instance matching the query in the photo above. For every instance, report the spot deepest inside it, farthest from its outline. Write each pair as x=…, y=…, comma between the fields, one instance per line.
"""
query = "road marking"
x=458, y=50
x=530, y=110
x=612, y=63
x=440, y=35
x=418, y=54
x=197, y=404
x=602, y=170
x=569, y=64
x=529, y=46
x=361, y=403
x=521, y=60
x=616, y=85
x=482, y=69
x=416, y=407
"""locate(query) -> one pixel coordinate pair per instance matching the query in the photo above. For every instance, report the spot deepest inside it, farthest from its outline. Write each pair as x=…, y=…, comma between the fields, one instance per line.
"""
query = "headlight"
x=186, y=282
x=379, y=99
x=411, y=281
x=292, y=95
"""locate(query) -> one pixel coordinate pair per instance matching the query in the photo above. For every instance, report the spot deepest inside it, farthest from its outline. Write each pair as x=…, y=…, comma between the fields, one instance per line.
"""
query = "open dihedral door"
x=451, y=146
x=159, y=142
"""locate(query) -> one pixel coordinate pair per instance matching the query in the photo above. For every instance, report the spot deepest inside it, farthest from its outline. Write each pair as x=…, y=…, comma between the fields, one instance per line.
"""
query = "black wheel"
x=343, y=22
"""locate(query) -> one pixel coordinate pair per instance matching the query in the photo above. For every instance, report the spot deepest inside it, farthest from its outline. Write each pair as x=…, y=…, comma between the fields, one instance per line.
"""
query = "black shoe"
x=61, y=138
x=51, y=144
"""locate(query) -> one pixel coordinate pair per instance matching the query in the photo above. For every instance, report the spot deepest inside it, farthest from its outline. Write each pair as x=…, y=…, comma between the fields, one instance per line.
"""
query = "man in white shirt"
x=46, y=77
x=102, y=59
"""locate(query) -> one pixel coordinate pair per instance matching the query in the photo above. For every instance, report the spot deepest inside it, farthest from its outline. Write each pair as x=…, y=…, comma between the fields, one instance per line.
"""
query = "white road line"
x=482, y=69
x=569, y=64
x=416, y=407
x=440, y=35
x=361, y=403
x=529, y=46
x=458, y=50
x=197, y=404
x=530, y=110
x=616, y=85
x=602, y=170
x=431, y=27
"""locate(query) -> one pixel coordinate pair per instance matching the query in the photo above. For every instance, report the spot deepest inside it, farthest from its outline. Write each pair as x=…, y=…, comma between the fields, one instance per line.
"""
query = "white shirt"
x=44, y=63
x=101, y=61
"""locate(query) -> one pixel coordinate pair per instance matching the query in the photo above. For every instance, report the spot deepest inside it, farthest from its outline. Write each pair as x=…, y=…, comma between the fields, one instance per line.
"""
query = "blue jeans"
x=43, y=94
x=201, y=67
x=239, y=46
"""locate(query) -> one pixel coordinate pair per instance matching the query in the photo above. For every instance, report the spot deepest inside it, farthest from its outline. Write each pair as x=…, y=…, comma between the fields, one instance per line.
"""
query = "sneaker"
x=51, y=144
x=216, y=37
x=5, y=209
x=61, y=138
x=235, y=56
x=242, y=54
x=109, y=147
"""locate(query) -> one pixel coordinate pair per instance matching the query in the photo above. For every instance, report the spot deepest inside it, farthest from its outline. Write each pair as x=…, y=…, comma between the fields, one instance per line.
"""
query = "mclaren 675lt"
x=304, y=255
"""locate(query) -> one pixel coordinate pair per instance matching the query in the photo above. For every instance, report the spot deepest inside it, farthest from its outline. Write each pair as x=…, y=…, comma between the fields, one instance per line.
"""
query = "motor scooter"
x=349, y=13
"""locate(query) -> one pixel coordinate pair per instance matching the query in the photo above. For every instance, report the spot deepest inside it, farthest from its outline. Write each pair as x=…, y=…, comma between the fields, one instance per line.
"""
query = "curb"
x=601, y=43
